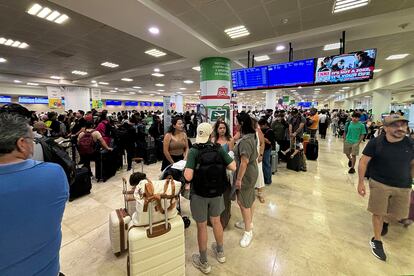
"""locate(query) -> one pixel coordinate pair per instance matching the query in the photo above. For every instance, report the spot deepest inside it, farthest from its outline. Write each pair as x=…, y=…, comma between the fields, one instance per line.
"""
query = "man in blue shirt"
x=32, y=201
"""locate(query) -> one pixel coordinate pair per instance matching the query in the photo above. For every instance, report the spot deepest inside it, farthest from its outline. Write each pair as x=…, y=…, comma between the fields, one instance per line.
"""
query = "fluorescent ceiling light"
x=94, y=81
x=116, y=88
x=151, y=94
x=280, y=47
x=341, y=90
x=137, y=87
x=17, y=81
x=261, y=58
x=399, y=56
x=197, y=68
x=16, y=44
x=317, y=89
x=132, y=93
x=293, y=90
x=3, y=60
x=56, y=77
x=344, y=5
x=198, y=91
x=160, y=84
x=127, y=79
x=23, y=45
x=156, y=69
x=103, y=83
x=237, y=32
x=183, y=88
x=109, y=64
x=179, y=92
x=155, y=53
x=332, y=46
x=81, y=73
x=32, y=83
x=157, y=75
x=377, y=70
x=13, y=43
x=367, y=96
x=46, y=13
x=161, y=90
x=154, y=30
x=346, y=87
x=112, y=91
x=9, y=42
x=188, y=81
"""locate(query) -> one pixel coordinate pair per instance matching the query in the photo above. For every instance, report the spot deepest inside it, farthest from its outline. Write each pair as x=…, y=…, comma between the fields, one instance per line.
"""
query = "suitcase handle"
x=160, y=229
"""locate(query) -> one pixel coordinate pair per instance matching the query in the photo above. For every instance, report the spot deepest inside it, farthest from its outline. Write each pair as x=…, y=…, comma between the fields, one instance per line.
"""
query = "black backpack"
x=210, y=178
x=53, y=153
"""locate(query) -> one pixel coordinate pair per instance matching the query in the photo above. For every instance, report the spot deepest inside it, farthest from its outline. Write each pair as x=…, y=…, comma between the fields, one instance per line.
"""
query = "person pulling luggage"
x=206, y=170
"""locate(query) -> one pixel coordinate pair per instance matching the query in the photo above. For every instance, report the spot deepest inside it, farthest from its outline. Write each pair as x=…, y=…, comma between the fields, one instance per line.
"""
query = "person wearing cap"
x=388, y=161
x=203, y=204
x=354, y=134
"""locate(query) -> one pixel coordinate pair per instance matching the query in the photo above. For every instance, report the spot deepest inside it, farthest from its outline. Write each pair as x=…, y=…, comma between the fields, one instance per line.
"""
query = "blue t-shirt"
x=33, y=195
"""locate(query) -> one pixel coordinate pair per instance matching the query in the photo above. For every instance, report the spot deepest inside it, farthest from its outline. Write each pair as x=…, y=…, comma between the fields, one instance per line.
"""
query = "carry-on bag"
x=294, y=163
x=312, y=149
x=118, y=230
x=105, y=167
x=157, y=249
x=82, y=184
x=148, y=191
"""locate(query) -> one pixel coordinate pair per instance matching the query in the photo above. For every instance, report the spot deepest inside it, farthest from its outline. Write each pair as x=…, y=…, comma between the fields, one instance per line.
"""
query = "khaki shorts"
x=385, y=200
x=202, y=207
x=352, y=149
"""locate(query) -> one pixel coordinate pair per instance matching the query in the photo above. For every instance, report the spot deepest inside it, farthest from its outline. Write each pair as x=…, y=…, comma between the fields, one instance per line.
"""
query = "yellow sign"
x=55, y=103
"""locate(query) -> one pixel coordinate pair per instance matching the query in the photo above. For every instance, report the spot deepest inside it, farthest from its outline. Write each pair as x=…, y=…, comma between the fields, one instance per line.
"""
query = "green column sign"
x=215, y=68
x=217, y=114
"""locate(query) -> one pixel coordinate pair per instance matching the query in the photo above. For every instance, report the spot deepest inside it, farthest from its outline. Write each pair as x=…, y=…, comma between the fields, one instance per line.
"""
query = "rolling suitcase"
x=118, y=230
x=294, y=163
x=157, y=250
x=82, y=184
x=104, y=166
x=312, y=150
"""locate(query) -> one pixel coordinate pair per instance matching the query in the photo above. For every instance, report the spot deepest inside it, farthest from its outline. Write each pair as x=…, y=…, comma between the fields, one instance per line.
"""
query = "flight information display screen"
x=301, y=72
x=249, y=78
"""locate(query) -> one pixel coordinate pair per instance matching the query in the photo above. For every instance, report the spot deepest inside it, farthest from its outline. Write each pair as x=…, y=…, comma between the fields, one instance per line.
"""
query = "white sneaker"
x=240, y=225
x=219, y=255
x=246, y=239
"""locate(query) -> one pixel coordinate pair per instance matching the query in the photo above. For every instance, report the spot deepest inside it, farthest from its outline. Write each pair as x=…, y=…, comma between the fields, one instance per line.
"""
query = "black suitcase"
x=150, y=156
x=312, y=150
x=105, y=167
x=82, y=184
x=294, y=163
x=225, y=216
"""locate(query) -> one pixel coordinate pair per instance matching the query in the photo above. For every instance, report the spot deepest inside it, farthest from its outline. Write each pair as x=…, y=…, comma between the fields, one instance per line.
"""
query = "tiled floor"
x=312, y=223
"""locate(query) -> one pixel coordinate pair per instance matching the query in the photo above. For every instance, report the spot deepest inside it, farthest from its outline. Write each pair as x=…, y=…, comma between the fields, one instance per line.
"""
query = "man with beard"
x=388, y=161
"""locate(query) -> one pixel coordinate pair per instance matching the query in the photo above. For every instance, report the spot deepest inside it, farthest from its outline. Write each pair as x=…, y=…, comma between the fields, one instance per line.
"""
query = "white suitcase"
x=160, y=189
x=118, y=230
x=158, y=250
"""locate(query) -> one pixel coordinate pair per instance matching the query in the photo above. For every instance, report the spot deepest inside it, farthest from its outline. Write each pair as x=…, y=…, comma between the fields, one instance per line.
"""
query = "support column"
x=271, y=100
x=179, y=103
x=77, y=98
x=348, y=104
x=215, y=88
x=381, y=103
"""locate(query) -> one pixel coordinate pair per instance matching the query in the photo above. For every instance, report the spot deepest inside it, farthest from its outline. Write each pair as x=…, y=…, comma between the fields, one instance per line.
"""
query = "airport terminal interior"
x=147, y=63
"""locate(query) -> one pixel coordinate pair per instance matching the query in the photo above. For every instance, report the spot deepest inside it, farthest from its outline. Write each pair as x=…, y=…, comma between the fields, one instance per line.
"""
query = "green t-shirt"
x=354, y=132
x=193, y=153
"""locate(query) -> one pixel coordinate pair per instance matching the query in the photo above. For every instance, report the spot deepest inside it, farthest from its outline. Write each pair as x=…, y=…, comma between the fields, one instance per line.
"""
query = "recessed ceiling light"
x=346, y=87
x=140, y=91
x=399, y=56
x=160, y=84
x=261, y=58
x=377, y=70
x=17, y=81
x=112, y=91
x=197, y=68
x=188, y=81
x=46, y=13
x=77, y=72
x=116, y=88
x=155, y=53
x=337, y=92
x=109, y=64
x=161, y=90
x=317, y=89
x=132, y=93
x=237, y=32
x=13, y=43
x=56, y=77
x=341, y=90
x=183, y=88
x=332, y=46
x=293, y=90
x=2, y=60
x=32, y=83
x=156, y=69
x=103, y=83
x=198, y=91
x=127, y=79
x=157, y=75
x=137, y=87
x=179, y=92
x=280, y=47
x=151, y=94
x=94, y=81
x=367, y=96
x=344, y=5
x=154, y=30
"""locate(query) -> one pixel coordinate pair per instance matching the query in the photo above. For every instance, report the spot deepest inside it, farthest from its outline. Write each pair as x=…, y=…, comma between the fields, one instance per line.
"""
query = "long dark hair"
x=174, y=121
x=246, y=123
x=216, y=127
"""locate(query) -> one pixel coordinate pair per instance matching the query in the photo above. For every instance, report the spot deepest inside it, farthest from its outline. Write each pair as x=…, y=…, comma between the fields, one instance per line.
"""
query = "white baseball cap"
x=204, y=131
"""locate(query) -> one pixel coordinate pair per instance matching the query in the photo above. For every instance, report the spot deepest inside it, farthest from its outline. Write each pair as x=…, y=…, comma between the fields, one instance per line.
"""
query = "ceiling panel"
x=175, y=7
x=243, y=5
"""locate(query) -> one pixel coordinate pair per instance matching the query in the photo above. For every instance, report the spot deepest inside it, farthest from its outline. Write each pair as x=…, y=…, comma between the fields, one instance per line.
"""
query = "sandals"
x=260, y=197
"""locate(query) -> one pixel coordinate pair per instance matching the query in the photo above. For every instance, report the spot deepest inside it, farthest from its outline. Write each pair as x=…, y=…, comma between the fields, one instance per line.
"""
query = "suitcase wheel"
x=187, y=222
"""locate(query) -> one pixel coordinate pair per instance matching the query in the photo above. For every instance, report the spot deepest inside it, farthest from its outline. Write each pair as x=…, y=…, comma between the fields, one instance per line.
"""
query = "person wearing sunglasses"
x=388, y=162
